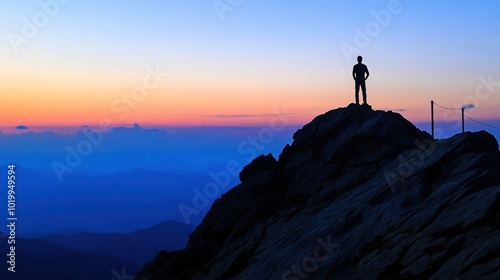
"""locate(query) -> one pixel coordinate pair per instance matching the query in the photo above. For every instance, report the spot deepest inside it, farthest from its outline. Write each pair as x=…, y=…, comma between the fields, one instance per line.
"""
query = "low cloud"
x=22, y=127
x=228, y=116
x=394, y=110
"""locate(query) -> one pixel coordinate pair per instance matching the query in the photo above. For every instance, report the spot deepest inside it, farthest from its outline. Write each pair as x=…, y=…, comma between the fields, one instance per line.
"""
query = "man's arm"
x=367, y=73
x=353, y=73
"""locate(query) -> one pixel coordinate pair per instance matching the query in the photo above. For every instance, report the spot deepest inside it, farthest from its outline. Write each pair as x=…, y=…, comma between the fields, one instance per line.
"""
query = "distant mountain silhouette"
x=64, y=232
x=119, y=202
x=129, y=148
x=136, y=247
x=360, y=194
x=92, y=256
x=42, y=260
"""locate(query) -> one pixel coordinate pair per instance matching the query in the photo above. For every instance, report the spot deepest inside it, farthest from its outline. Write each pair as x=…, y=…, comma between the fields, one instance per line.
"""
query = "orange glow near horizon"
x=47, y=102
x=179, y=105
x=56, y=98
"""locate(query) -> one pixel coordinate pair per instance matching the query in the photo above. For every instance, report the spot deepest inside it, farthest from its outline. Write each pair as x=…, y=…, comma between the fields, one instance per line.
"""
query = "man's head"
x=360, y=58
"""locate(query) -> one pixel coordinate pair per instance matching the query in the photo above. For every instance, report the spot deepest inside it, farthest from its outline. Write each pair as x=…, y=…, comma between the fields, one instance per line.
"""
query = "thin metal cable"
x=447, y=107
x=481, y=122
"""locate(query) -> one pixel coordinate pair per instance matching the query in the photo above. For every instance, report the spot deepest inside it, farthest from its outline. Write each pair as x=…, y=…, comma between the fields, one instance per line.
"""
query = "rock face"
x=360, y=194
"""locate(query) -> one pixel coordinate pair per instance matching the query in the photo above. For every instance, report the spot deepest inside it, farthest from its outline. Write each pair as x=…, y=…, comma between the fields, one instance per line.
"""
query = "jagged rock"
x=360, y=194
x=260, y=164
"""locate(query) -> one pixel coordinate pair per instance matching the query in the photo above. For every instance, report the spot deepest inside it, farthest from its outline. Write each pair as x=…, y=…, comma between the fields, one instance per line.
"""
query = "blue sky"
x=286, y=53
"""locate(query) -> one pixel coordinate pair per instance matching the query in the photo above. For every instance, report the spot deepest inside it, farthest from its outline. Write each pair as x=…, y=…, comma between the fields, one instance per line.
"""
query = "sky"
x=240, y=63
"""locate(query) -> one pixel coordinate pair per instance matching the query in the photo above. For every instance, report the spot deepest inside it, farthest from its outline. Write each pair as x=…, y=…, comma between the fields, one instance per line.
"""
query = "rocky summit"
x=359, y=194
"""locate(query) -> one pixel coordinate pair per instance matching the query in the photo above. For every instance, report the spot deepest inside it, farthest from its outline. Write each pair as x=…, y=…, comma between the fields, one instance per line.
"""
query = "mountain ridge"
x=50, y=261
x=135, y=247
x=359, y=194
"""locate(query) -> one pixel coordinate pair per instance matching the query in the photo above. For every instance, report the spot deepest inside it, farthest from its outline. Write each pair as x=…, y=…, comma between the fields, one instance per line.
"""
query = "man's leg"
x=356, y=89
x=363, y=88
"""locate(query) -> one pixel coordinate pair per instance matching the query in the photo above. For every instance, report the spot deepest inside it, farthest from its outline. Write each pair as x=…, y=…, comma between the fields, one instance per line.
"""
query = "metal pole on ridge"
x=432, y=118
x=463, y=123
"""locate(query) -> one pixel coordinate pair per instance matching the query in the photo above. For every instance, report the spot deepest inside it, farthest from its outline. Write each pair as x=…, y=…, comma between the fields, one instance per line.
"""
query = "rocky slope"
x=360, y=194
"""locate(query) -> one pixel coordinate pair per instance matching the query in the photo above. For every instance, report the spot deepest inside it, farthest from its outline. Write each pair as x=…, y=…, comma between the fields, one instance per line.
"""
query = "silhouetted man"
x=358, y=73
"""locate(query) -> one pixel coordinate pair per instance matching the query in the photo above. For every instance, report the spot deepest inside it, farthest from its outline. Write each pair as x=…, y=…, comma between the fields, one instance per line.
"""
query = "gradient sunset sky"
x=242, y=65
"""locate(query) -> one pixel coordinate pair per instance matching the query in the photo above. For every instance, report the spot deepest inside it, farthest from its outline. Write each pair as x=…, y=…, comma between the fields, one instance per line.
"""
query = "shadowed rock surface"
x=360, y=194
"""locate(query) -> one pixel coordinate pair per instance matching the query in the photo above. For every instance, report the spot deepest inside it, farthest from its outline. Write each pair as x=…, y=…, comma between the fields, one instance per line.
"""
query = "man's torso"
x=359, y=71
